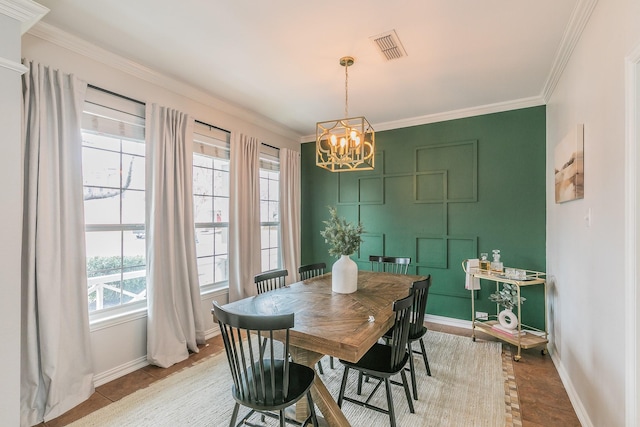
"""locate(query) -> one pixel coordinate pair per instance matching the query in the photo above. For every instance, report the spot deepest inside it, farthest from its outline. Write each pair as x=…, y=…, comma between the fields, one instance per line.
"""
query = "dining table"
x=344, y=326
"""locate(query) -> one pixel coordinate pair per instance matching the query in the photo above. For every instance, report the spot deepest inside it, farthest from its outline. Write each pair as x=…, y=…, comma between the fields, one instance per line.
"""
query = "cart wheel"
x=544, y=351
x=517, y=358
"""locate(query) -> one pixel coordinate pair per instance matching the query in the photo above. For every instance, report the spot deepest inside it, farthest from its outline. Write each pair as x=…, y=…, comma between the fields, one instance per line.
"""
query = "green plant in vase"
x=344, y=239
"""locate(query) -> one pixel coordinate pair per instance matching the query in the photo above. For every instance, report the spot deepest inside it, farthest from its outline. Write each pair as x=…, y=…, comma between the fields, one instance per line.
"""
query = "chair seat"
x=375, y=362
x=412, y=336
x=300, y=381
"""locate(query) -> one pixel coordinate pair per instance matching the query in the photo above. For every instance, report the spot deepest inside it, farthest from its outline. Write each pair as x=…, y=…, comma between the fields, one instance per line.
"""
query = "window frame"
x=115, y=116
x=215, y=143
x=270, y=161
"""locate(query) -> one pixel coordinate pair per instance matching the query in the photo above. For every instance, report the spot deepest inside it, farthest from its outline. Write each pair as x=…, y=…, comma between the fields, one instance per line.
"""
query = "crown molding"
x=498, y=107
x=577, y=22
x=26, y=11
x=12, y=65
x=82, y=47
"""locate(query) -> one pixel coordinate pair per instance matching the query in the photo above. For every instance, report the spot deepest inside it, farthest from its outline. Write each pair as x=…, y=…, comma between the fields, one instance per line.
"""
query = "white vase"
x=508, y=319
x=344, y=275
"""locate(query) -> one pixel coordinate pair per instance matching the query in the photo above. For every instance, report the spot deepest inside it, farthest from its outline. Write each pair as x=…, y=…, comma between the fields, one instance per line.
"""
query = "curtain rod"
x=212, y=126
x=270, y=146
x=115, y=94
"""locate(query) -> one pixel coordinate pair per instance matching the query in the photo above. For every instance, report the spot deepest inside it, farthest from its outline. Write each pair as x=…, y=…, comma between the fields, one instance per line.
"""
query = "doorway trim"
x=632, y=239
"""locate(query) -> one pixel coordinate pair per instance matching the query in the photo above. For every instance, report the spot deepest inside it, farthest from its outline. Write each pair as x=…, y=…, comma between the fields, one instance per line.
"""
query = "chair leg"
x=234, y=415
x=312, y=409
x=320, y=368
x=343, y=385
x=424, y=356
x=392, y=412
x=359, y=390
x=412, y=370
x=331, y=362
x=282, y=421
x=406, y=391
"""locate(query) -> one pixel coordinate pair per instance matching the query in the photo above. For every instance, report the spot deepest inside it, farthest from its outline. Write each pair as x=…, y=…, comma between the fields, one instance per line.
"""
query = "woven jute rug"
x=469, y=386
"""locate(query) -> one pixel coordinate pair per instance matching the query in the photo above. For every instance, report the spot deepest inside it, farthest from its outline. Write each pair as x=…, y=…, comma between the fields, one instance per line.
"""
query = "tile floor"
x=543, y=400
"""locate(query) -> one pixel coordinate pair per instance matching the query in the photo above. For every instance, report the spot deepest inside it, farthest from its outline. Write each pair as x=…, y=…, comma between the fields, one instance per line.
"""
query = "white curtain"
x=56, y=368
x=244, y=221
x=290, y=211
x=175, y=323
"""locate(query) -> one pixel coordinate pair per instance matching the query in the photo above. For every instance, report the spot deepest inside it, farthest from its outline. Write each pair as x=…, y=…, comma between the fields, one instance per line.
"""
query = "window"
x=113, y=163
x=211, y=204
x=270, y=209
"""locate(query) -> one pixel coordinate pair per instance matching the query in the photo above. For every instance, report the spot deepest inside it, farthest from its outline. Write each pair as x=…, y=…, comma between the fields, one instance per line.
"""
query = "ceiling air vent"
x=389, y=45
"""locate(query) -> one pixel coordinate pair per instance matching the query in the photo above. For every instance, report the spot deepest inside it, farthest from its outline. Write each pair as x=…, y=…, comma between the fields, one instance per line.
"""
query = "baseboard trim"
x=119, y=371
x=581, y=413
x=448, y=321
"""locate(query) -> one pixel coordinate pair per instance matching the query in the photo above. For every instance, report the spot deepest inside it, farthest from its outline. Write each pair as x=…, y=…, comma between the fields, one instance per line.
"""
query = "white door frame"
x=632, y=243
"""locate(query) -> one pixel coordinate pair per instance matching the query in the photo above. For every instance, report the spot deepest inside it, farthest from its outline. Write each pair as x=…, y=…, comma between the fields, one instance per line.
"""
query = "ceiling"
x=280, y=58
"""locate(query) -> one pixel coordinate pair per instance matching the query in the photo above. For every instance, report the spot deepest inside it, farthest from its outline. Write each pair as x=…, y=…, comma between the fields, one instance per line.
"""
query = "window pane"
x=203, y=209
x=101, y=206
x=221, y=269
x=221, y=240
x=133, y=172
x=221, y=208
x=204, y=242
x=202, y=179
x=101, y=168
x=133, y=147
x=205, y=270
x=274, y=190
x=203, y=161
x=133, y=207
x=222, y=183
x=221, y=164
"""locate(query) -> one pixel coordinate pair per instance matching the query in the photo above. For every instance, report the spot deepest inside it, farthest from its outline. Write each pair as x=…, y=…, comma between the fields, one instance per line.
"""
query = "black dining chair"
x=311, y=270
x=382, y=361
x=307, y=272
x=264, y=381
x=270, y=280
x=417, y=330
x=390, y=264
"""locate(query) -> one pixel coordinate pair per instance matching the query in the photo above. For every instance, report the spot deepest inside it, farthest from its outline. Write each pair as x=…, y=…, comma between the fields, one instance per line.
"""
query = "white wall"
x=10, y=219
x=586, y=263
x=120, y=347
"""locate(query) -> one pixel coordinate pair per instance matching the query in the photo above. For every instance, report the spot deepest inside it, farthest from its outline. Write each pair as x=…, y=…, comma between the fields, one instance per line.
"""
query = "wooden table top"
x=332, y=323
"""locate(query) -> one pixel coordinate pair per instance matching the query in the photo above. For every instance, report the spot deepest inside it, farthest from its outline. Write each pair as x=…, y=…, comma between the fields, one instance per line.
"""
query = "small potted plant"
x=344, y=239
x=508, y=298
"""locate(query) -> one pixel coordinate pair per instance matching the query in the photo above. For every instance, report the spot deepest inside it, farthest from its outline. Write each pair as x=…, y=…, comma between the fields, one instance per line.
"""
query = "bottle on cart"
x=496, y=264
x=484, y=261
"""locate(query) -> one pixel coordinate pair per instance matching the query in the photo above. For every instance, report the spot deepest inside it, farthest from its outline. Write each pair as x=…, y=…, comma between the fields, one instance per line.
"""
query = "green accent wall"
x=441, y=193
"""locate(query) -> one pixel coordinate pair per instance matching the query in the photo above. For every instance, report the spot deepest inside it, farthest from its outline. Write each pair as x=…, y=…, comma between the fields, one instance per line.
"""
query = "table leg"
x=321, y=396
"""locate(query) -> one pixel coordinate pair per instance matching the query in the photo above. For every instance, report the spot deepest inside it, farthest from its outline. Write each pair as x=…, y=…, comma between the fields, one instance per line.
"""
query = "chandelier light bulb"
x=334, y=140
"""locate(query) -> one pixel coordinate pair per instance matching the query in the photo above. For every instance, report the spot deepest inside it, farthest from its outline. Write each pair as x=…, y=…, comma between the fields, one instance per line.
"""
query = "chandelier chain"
x=346, y=91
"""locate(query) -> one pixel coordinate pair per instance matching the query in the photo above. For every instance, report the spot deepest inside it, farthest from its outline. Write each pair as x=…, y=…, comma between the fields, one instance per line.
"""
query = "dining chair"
x=270, y=280
x=307, y=272
x=382, y=361
x=390, y=264
x=417, y=330
x=311, y=270
x=266, y=382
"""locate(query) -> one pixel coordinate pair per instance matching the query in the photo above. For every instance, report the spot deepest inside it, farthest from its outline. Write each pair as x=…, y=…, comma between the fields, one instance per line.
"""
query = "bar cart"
x=526, y=336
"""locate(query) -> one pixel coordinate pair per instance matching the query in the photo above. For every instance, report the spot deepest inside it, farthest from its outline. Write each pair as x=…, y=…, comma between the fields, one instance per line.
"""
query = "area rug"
x=467, y=388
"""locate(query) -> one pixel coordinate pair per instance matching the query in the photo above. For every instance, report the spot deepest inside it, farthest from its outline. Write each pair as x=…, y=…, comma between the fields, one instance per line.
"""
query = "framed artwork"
x=569, y=166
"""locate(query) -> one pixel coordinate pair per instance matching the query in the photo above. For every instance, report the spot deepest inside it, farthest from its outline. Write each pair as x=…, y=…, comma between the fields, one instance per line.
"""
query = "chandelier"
x=345, y=144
